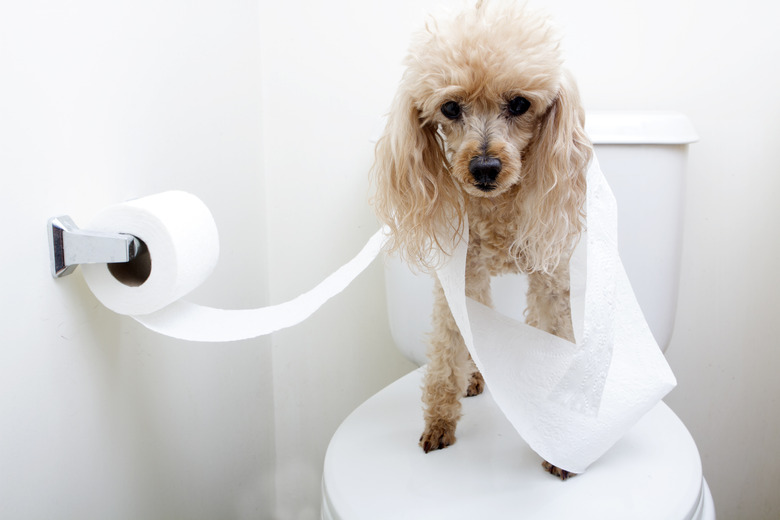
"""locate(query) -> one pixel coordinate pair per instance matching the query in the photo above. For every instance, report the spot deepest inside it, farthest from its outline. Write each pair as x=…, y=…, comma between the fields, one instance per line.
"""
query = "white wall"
x=266, y=110
x=100, y=102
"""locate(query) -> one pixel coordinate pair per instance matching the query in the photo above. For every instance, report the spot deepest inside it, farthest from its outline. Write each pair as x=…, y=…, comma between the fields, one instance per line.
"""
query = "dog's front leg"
x=446, y=377
x=451, y=373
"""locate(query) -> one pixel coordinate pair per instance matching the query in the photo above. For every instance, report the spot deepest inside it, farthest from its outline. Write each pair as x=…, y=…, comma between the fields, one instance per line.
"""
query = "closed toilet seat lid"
x=374, y=468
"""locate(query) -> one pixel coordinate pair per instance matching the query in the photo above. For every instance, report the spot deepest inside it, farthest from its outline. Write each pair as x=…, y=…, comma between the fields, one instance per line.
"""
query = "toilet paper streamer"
x=570, y=402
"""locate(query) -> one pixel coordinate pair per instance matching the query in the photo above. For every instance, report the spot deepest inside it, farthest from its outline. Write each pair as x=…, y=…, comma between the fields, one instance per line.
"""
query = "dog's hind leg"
x=476, y=384
x=549, y=306
x=478, y=288
x=549, y=309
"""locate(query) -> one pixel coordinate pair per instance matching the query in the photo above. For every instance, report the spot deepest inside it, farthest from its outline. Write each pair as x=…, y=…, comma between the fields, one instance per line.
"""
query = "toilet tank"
x=643, y=155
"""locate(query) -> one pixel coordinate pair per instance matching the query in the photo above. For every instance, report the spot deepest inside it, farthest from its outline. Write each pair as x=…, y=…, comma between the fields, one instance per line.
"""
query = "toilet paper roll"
x=181, y=248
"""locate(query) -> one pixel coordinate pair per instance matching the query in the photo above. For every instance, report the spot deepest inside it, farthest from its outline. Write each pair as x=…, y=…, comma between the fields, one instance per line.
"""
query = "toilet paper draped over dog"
x=570, y=402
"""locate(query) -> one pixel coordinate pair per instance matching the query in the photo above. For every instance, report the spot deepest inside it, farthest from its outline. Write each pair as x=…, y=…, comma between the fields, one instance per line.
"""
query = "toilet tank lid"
x=639, y=127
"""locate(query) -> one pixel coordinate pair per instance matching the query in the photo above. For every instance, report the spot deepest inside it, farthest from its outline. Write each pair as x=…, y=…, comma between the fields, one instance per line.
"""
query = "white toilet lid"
x=374, y=468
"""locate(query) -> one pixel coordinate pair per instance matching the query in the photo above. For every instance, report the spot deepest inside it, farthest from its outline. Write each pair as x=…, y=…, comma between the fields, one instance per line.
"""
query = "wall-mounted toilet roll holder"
x=70, y=246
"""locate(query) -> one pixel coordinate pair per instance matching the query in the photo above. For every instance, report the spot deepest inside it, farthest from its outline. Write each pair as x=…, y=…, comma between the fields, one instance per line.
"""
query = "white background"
x=267, y=111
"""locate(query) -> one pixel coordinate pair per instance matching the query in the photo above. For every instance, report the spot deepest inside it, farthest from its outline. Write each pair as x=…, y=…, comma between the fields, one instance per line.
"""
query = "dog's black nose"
x=485, y=170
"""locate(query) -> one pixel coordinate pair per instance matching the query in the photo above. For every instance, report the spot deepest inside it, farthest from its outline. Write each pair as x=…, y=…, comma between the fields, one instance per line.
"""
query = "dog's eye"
x=451, y=110
x=519, y=106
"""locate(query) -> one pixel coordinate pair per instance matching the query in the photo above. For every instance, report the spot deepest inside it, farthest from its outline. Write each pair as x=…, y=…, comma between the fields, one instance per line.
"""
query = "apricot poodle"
x=486, y=124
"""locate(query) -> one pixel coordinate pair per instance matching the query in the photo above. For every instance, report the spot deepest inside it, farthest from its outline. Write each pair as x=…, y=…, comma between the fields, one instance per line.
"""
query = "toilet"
x=374, y=468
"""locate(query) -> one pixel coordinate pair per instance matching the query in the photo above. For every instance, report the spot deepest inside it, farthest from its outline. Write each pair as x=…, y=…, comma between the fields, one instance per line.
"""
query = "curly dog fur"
x=486, y=123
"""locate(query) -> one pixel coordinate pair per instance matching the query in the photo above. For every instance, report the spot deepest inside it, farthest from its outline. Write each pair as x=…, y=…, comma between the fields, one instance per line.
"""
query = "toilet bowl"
x=374, y=468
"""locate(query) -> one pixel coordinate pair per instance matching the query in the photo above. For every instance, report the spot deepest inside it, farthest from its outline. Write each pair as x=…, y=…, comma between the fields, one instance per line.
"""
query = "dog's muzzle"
x=485, y=170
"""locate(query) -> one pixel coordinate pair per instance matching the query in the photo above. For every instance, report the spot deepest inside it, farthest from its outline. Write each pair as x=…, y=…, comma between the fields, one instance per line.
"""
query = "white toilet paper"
x=181, y=237
x=570, y=402
x=189, y=321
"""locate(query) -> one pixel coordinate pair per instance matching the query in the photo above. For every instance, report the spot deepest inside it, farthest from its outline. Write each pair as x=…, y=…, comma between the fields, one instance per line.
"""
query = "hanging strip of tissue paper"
x=181, y=236
x=570, y=402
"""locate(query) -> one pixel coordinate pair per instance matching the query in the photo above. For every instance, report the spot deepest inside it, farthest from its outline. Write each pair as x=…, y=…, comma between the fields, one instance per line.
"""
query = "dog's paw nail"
x=558, y=472
x=476, y=385
x=437, y=437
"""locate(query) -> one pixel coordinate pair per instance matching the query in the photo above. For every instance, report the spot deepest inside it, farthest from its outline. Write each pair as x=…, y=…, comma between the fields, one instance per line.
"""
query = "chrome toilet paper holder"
x=70, y=246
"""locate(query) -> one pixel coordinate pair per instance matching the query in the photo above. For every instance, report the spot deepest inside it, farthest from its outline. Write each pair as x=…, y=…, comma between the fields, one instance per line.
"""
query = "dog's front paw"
x=476, y=385
x=558, y=472
x=437, y=436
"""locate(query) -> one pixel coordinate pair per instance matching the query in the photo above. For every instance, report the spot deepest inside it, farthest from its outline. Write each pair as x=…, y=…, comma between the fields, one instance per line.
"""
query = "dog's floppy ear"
x=555, y=167
x=415, y=195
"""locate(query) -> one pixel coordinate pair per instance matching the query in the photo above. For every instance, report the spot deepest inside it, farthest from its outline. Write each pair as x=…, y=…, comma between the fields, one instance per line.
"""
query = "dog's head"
x=484, y=110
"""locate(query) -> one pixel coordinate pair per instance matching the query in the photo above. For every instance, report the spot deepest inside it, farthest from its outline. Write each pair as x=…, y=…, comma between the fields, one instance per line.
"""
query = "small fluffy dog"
x=487, y=124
